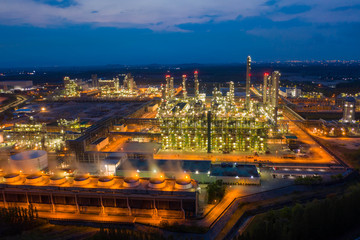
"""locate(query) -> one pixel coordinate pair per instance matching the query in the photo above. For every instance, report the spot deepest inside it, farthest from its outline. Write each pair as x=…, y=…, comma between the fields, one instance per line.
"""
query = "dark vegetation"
x=14, y=220
x=353, y=157
x=154, y=73
x=309, y=180
x=216, y=191
x=113, y=233
x=9, y=98
x=176, y=227
x=350, y=156
x=320, y=219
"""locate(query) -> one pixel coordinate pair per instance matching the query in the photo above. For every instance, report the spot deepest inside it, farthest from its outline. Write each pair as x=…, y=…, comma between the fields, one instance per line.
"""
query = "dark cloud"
x=295, y=9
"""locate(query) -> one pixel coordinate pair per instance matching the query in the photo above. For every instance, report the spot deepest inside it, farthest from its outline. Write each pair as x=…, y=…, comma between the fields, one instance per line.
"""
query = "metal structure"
x=218, y=125
x=271, y=96
x=349, y=110
x=196, y=80
x=248, y=75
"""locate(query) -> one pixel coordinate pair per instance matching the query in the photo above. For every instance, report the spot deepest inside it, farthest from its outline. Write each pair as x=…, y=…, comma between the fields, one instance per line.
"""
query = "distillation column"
x=167, y=88
x=196, y=80
x=276, y=81
x=184, y=86
x=248, y=74
x=231, y=93
x=265, y=86
x=172, y=90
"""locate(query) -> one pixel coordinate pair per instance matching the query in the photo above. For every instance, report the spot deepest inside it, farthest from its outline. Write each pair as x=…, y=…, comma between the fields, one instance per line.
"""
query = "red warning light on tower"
x=184, y=76
x=266, y=74
x=167, y=76
x=196, y=72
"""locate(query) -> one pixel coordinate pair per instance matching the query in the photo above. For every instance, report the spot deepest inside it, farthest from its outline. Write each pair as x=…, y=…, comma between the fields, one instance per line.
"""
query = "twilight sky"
x=96, y=32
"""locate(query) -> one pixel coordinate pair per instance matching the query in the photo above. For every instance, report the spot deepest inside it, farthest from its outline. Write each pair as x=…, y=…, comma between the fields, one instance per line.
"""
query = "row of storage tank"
x=104, y=181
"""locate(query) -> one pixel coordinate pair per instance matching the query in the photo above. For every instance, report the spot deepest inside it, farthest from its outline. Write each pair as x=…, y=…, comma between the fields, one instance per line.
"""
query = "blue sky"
x=93, y=32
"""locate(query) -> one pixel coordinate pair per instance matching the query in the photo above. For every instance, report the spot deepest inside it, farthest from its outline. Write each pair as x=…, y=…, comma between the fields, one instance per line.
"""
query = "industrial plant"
x=220, y=123
x=107, y=195
x=101, y=149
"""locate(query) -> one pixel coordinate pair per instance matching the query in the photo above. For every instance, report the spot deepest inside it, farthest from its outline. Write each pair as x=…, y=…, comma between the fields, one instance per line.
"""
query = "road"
x=320, y=153
x=320, y=157
x=235, y=191
x=19, y=100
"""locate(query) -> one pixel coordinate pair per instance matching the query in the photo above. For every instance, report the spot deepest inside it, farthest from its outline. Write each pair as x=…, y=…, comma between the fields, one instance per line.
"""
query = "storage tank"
x=29, y=161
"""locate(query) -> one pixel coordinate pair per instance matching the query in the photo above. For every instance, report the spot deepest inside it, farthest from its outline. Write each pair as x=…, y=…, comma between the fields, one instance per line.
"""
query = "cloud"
x=168, y=15
x=155, y=14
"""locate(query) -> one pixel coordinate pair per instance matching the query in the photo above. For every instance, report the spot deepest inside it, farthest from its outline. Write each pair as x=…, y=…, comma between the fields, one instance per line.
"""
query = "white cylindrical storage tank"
x=29, y=161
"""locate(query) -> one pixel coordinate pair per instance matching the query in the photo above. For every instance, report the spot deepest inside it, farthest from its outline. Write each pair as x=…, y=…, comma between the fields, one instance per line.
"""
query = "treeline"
x=353, y=156
x=14, y=220
x=215, y=191
x=308, y=180
x=114, y=233
x=176, y=227
x=320, y=219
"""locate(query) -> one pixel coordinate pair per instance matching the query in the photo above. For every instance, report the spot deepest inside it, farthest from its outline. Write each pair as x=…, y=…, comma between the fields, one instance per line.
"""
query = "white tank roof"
x=31, y=154
x=29, y=161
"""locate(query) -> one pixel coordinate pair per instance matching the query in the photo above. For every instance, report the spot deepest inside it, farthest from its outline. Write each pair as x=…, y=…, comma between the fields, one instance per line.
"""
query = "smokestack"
x=266, y=76
x=248, y=75
x=196, y=79
x=184, y=86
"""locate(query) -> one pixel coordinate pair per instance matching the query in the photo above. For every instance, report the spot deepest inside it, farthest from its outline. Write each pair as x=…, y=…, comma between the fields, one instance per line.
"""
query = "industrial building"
x=220, y=124
x=16, y=85
x=99, y=88
x=349, y=110
x=121, y=196
x=202, y=171
x=290, y=92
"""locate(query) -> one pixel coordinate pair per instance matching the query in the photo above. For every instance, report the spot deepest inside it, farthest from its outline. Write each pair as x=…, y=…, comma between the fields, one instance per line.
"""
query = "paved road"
x=19, y=99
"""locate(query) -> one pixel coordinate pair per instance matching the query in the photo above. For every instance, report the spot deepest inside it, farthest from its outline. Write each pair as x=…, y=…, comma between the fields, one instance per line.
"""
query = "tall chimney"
x=196, y=79
x=248, y=75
